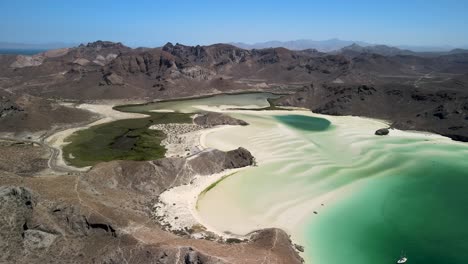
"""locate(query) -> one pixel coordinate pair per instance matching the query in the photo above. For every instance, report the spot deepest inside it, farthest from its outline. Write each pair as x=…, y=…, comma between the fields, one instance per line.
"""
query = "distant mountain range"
x=415, y=91
x=334, y=45
x=330, y=45
x=355, y=50
x=302, y=44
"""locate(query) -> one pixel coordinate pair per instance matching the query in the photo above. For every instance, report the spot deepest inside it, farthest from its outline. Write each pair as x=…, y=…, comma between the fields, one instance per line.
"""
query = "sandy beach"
x=179, y=206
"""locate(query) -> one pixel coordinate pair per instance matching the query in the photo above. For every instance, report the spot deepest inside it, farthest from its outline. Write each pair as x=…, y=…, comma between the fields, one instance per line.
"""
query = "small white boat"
x=402, y=260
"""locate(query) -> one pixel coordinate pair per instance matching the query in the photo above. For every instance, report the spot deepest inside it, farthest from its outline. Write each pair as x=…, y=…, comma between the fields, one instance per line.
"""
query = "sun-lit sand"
x=269, y=141
x=162, y=111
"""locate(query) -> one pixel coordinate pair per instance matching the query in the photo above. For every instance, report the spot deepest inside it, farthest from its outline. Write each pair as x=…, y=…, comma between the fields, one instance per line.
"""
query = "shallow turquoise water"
x=419, y=205
x=305, y=122
x=411, y=192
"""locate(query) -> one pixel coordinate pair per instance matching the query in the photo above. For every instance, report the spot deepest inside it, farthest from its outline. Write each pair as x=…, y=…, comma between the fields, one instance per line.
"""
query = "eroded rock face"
x=99, y=44
x=103, y=216
x=153, y=177
x=81, y=61
x=33, y=229
x=15, y=211
x=99, y=217
x=161, y=255
x=37, y=239
x=23, y=61
x=113, y=78
x=276, y=239
x=24, y=159
x=216, y=119
x=27, y=61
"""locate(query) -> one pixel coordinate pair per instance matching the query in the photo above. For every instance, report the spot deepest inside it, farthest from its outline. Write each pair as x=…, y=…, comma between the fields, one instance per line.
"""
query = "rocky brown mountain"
x=415, y=92
x=102, y=216
x=217, y=119
x=32, y=114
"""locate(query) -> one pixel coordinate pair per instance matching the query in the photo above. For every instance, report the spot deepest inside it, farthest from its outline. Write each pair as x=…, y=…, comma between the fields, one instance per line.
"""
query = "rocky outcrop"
x=8, y=107
x=238, y=158
x=23, y=61
x=99, y=44
x=163, y=255
x=81, y=61
x=23, y=158
x=198, y=73
x=382, y=132
x=37, y=229
x=275, y=238
x=27, y=61
x=217, y=119
x=113, y=79
x=101, y=60
x=34, y=229
x=16, y=209
x=154, y=177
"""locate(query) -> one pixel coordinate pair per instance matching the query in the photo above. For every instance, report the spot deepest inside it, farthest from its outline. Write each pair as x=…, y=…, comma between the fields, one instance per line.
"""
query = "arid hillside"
x=413, y=90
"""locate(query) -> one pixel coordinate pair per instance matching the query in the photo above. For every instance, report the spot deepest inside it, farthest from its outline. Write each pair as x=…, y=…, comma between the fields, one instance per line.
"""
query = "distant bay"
x=21, y=51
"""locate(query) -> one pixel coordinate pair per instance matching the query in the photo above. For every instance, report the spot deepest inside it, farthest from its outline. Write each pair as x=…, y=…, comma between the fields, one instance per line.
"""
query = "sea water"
x=345, y=194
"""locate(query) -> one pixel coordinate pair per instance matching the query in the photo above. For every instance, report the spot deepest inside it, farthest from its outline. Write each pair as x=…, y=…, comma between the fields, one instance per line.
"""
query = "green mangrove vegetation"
x=128, y=139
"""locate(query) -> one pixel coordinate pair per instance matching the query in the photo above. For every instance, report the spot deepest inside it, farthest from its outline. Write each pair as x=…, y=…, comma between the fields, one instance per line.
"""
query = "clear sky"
x=152, y=23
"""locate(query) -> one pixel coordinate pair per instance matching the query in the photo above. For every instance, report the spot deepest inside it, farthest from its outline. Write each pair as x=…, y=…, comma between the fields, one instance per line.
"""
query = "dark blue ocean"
x=21, y=51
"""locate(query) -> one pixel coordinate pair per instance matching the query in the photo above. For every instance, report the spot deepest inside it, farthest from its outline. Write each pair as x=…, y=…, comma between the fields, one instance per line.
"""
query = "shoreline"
x=177, y=207
x=193, y=192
